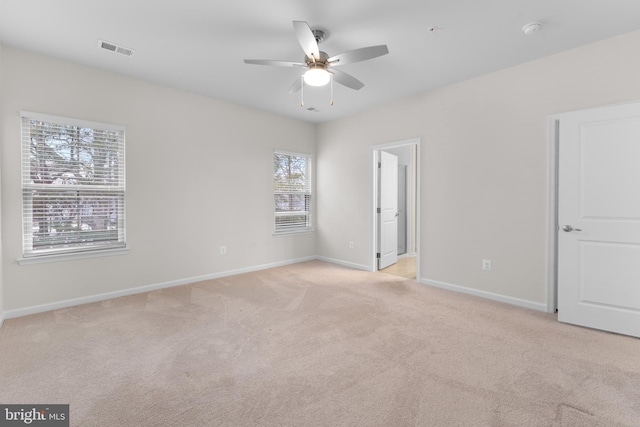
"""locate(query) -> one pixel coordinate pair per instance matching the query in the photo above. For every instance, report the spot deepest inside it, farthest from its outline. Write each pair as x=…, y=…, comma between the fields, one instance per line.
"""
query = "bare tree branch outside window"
x=73, y=187
x=292, y=191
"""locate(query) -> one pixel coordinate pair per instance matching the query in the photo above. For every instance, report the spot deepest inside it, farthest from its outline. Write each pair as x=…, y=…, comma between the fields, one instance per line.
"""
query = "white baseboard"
x=344, y=263
x=9, y=314
x=488, y=295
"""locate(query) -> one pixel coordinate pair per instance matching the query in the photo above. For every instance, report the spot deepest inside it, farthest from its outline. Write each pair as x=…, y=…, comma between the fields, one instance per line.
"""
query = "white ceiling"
x=199, y=45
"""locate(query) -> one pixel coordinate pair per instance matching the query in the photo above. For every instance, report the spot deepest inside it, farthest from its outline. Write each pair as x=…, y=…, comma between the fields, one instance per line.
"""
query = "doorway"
x=396, y=201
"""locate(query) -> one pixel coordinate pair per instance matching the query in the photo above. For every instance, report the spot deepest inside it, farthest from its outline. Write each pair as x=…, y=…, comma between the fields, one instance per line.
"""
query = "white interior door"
x=388, y=210
x=599, y=219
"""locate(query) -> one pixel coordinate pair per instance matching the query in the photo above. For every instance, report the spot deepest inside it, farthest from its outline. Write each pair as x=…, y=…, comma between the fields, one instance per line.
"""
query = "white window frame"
x=306, y=191
x=114, y=190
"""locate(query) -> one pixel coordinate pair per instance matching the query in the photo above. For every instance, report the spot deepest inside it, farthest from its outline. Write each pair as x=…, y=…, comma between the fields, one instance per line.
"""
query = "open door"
x=599, y=219
x=388, y=210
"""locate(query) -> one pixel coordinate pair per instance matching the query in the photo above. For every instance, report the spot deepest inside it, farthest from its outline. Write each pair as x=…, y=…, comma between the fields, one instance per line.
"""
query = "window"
x=292, y=192
x=73, y=185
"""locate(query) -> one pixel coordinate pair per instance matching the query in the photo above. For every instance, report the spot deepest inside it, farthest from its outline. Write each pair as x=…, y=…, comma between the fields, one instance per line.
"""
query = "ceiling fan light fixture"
x=317, y=77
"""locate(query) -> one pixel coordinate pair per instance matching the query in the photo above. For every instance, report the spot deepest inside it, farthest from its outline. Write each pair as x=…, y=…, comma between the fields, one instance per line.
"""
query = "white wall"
x=484, y=174
x=1, y=239
x=484, y=167
x=199, y=175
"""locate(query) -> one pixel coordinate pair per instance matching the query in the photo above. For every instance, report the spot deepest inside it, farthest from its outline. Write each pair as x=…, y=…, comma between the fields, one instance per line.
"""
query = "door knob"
x=568, y=229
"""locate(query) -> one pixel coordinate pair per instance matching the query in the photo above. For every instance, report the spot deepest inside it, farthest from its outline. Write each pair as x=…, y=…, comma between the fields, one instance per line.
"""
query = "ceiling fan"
x=319, y=65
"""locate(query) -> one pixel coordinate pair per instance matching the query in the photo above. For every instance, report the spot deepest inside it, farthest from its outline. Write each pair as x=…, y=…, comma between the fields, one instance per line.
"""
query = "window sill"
x=291, y=233
x=72, y=256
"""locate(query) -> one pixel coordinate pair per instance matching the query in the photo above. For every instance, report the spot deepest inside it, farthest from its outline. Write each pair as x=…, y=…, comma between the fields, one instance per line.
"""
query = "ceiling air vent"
x=115, y=48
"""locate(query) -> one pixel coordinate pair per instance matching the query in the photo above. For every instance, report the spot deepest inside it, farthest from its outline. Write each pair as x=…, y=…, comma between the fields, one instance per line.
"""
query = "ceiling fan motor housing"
x=321, y=62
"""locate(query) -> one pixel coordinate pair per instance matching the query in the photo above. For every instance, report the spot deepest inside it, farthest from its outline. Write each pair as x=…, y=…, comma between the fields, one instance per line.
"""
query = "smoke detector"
x=531, y=28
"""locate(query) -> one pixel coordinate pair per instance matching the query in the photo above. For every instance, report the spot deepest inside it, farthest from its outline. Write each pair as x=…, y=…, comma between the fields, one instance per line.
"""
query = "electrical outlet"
x=351, y=244
x=223, y=250
x=486, y=264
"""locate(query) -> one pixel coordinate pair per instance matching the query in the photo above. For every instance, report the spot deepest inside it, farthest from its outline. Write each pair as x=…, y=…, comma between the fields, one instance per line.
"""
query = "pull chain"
x=331, y=83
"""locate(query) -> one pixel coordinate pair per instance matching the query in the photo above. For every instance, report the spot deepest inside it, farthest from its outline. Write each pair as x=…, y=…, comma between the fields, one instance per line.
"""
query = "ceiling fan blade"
x=306, y=39
x=346, y=79
x=296, y=86
x=358, y=55
x=274, y=63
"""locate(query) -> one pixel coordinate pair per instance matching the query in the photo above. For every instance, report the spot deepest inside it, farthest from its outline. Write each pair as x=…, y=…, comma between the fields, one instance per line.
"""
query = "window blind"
x=73, y=185
x=292, y=191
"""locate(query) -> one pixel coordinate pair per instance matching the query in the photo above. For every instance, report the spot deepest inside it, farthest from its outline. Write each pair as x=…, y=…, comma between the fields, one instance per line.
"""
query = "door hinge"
x=378, y=255
x=379, y=165
x=378, y=210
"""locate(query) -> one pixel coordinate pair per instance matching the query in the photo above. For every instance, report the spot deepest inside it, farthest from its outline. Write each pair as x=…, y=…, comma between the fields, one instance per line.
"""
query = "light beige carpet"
x=315, y=344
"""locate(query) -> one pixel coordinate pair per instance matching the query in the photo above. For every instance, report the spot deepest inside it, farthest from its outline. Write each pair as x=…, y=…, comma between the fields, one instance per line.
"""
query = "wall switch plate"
x=351, y=244
x=223, y=250
x=486, y=264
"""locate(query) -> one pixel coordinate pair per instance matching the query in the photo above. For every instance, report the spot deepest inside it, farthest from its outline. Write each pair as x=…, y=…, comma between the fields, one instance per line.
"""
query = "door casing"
x=552, y=259
x=375, y=149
